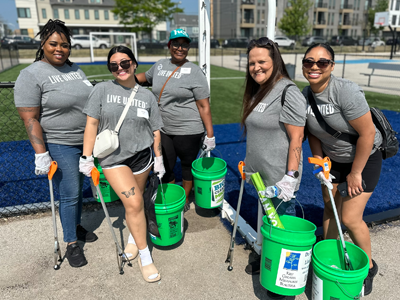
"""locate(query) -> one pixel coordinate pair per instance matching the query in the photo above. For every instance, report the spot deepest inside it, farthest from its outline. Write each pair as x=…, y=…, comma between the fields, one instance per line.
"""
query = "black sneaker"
x=75, y=256
x=272, y=295
x=85, y=236
x=370, y=278
x=187, y=207
x=253, y=268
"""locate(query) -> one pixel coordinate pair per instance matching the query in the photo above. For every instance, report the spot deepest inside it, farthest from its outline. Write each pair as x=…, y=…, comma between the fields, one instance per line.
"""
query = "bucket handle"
x=347, y=293
x=204, y=153
x=276, y=211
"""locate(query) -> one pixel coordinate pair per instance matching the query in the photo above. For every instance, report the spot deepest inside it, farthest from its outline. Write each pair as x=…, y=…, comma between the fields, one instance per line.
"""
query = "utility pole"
x=366, y=9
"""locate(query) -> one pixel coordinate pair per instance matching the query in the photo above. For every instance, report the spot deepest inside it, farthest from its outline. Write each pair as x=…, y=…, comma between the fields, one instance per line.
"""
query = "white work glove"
x=209, y=143
x=42, y=163
x=287, y=186
x=86, y=165
x=159, y=166
x=322, y=179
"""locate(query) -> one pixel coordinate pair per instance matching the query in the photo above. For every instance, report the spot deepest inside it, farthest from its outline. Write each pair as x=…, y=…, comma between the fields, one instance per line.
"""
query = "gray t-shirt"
x=61, y=93
x=340, y=102
x=178, y=101
x=106, y=103
x=267, y=144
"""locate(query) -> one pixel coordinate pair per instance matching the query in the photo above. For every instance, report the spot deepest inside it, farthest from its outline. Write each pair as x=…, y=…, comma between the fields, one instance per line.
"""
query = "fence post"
x=1, y=59
x=344, y=64
x=222, y=57
x=240, y=58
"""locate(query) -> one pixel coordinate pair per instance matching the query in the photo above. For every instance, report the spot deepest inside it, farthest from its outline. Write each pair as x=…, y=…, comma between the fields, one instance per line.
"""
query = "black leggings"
x=186, y=147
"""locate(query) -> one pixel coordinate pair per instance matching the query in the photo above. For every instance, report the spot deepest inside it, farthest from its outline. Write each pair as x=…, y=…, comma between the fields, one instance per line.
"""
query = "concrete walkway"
x=193, y=269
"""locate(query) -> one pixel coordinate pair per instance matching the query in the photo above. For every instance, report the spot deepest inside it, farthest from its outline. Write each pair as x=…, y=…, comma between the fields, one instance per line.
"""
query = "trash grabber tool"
x=96, y=179
x=57, y=251
x=229, y=257
x=326, y=167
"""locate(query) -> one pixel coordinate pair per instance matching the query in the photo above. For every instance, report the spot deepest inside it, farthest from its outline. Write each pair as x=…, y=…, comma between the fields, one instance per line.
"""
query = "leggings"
x=186, y=147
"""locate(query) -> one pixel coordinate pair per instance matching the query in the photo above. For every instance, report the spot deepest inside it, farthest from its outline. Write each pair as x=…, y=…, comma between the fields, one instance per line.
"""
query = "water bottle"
x=272, y=191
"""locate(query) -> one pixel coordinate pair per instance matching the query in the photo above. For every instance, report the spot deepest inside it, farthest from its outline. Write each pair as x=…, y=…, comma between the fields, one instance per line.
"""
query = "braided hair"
x=47, y=30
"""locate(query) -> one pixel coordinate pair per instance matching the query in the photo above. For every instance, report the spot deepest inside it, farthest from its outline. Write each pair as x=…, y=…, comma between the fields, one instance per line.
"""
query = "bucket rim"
x=287, y=230
x=200, y=159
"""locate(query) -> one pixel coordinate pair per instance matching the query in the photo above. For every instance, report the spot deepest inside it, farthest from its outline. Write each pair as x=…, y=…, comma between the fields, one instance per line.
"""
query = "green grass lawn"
x=226, y=98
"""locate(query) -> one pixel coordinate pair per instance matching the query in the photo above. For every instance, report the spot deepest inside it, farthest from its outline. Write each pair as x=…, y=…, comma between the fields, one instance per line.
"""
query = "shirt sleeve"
x=93, y=105
x=200, y=86
x=294, y=108
x=27, y=90
x=352, y=101
x=150, y=73
x=156, y=122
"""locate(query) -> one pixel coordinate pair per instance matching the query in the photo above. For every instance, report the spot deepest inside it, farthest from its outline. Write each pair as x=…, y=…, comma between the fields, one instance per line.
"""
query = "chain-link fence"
x=21, y=191
x=8, y=59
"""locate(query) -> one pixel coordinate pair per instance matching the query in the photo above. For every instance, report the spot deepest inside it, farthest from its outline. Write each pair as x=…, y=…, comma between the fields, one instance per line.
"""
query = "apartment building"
x=248, y=18
x=81, y=16
x=189, y=23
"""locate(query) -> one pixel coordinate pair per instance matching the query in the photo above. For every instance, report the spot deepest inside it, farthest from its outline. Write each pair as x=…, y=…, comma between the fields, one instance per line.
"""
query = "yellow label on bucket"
x=293, y=269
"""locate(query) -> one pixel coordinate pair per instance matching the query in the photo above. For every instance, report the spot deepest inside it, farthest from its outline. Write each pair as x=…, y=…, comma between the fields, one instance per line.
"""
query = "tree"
x=381, y=6
x=295, y=18
x=140, y=15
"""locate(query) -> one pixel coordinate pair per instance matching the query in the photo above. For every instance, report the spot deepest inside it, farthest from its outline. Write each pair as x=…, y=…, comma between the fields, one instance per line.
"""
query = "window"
x=195, y=30
x=24, y=31
x=329, y=18
x=394, y=19
x=66, y=14
x=24, y=12
x=397, y=5
x=86, y=14
x=77, y=16
x=55, y=13
x=333, y=19
x=96, y=14
x=95, y=1
x=115, y=17
x=106, y=16
x=258, y=17
x=262, y=31
x=44, y=15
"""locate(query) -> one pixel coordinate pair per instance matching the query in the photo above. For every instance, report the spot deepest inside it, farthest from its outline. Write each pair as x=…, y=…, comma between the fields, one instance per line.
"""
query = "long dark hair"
x=323, y=45
x=255, y=92
x=47, y=30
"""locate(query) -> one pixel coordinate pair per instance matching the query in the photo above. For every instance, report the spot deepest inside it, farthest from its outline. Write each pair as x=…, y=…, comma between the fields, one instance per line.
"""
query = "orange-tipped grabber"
x=229, y=258
x=120, y=253
x=57, y=251
x=325, y=165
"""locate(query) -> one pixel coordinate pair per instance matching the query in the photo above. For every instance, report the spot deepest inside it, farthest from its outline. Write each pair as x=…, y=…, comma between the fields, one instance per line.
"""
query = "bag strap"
x=352, y=139
x=127, y=105
x=284, y=93
x=162, y=89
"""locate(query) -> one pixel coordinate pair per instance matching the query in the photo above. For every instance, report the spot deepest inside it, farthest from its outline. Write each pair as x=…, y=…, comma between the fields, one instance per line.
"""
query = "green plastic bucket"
x=105, y=188
x=209, y=181
x=330, y=279
x=286, y=255
x=169, y=215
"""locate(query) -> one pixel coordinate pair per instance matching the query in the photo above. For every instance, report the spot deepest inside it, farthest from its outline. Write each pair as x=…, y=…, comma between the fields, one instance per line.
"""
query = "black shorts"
x=138, y=163
x=370, y=174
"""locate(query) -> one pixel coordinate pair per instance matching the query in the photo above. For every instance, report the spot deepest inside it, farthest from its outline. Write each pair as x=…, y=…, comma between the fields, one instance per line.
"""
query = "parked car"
x=144, y=44
x=82, y=41
x=284, y=41
x=12, y=42
x=236, y=43
x=313, y=40
x=213, y=43
x=369, y=41
x=339, y=40
x=390, y=42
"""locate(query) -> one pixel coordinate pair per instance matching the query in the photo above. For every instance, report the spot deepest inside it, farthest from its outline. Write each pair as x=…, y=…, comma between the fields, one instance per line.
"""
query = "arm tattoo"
x=129, y=193
x=159, y=147
x=29, y=129
x=297, y=153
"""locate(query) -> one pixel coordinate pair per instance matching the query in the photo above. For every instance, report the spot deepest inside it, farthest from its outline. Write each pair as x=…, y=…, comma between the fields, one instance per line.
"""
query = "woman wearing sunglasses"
x=127, y=168
x=183, y=97
x=343, y=106
x=274, y=130
x=50, y=95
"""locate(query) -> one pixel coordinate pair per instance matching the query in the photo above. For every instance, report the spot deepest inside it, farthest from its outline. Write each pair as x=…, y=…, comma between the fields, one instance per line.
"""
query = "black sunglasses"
x=125, y=64
x=322, y=63
x=176, y=45
x=263, y=41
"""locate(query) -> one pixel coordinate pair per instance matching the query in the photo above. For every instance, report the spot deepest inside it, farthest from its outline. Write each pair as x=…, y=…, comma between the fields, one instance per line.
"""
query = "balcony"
x=247, y=23
x=320, y=6
x=345, y=24
x=319, y=24
x=346, y=8
x=252, y=2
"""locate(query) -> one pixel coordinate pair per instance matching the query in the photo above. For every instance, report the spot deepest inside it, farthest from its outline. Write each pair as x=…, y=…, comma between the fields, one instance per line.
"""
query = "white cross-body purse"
x=107, y=141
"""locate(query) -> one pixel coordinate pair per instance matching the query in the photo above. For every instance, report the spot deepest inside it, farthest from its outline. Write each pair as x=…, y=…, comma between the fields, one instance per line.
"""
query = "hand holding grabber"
x=326, y=167
x=57, y=251
x=229, y=257
x=120, y=253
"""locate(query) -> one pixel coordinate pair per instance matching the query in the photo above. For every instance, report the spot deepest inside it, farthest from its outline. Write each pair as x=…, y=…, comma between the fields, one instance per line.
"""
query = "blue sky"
x=8, y=12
